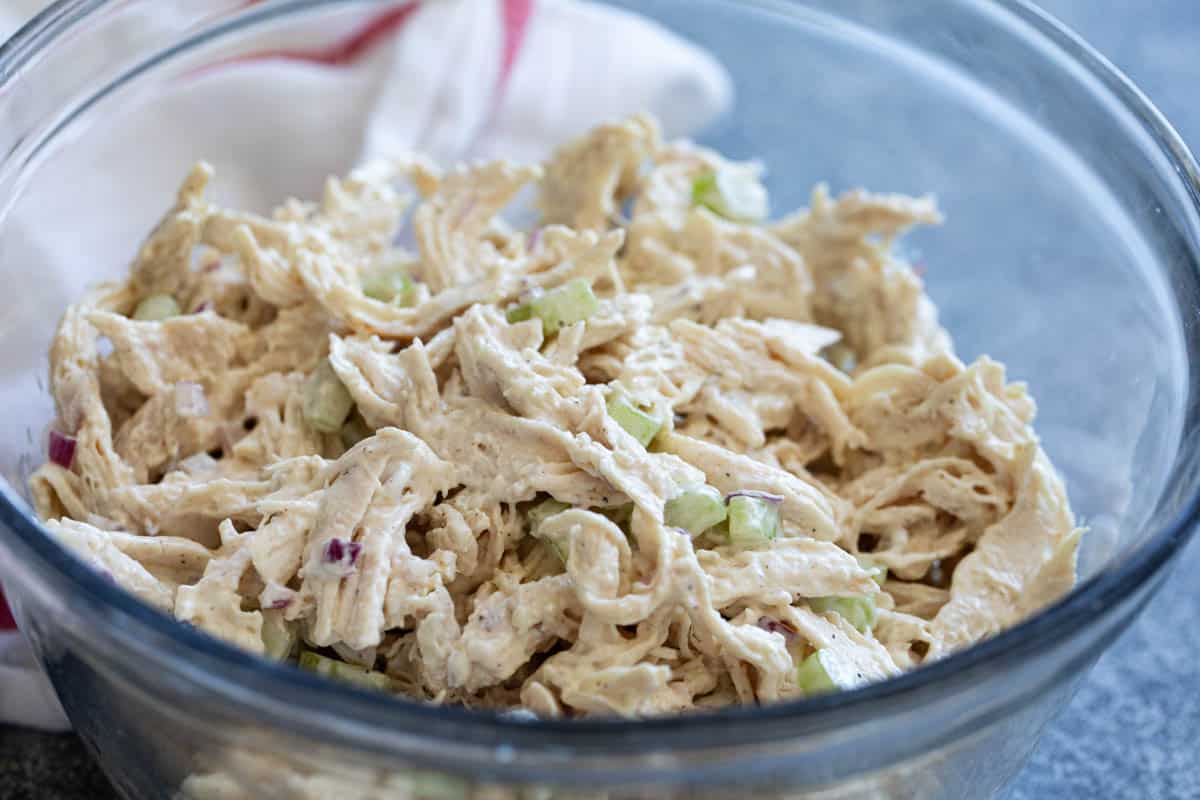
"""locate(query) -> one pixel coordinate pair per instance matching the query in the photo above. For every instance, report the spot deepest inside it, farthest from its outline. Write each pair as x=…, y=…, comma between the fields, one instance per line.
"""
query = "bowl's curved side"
x=153, y=724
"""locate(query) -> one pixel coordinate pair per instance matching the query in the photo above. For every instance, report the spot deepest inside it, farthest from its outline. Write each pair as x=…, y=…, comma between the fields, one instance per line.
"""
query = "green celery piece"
x=355, y=430
x=519, y=313
x=339, y=670
x=539, y=514
x=556, y=548
x=278, y=635
x=543, y=510
x=637, y=423
x=734, y=194
x=696, y=510
x=813, y=677
x=620, y=515
x=879, y=572
x=564, y=305
x=841, y=356
x=858, y=611
x=156, y=308
x=753, y=521
x=327, y=402
x=388, y=286
x=315, y=662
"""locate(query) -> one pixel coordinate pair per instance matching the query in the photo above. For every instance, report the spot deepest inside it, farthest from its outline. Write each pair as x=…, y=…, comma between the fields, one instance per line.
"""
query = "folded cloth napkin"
x=455, y=79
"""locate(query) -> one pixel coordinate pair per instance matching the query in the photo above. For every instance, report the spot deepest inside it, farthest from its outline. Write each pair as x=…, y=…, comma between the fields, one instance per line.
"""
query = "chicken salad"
x=650, y=452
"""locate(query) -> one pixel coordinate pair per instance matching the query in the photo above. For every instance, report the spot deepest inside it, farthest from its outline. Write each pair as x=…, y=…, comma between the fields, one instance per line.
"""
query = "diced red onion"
x=62, y=449
x=276, y=596
x=190, y=400
x=766, y=497
x=202, y=307
x=772, y=625
x=340, y=556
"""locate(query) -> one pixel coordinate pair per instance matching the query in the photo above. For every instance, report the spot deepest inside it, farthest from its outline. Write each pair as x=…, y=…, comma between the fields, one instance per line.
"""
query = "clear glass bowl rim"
x=284, y=693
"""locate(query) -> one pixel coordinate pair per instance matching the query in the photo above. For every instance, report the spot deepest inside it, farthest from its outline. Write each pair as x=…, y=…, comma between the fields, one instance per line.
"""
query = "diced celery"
x=539, y=514
x=327, y=402
x=388, y=286
x=367, y=678
x=752, y=521
x=637, y=423
x=339, y=670
x=696, y=510
x=719, y=532
x=878, y=572
x=316, y=662
x=557, y=548
x=519, y=313
x=355, y=430
x=572, y=302
x=841, y=356
x=278, y=635
x=858, y=611
x=620, y=515
x=156, y=308
x=543, y=510
x=735, y=194
x=813, y=677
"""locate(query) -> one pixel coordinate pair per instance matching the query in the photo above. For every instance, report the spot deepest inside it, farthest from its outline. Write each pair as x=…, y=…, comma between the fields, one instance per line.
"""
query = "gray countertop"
x=1133, y=730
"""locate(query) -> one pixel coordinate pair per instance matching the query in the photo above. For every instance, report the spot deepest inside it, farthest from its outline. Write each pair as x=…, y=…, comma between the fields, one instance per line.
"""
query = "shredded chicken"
x=368, y=473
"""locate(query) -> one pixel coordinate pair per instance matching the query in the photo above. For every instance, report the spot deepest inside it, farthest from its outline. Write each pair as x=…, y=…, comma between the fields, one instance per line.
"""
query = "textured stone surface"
x=41, y=766
x=1133, y=730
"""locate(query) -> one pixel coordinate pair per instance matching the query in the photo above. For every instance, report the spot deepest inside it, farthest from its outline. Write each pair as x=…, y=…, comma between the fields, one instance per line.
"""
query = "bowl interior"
x=1047, y=261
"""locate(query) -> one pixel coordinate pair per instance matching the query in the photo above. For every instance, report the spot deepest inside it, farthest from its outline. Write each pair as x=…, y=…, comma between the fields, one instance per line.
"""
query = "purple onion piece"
x=766, y=497
x=202, y=307
x=341, y=555
x=62, y=449
x=276, y=596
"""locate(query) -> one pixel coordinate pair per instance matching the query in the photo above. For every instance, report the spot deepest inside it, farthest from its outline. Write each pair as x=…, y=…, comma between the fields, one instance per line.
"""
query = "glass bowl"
x=1070, y=254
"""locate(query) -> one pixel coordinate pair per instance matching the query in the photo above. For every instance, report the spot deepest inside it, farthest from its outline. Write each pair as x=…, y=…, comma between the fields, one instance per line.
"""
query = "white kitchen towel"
x=454, y=79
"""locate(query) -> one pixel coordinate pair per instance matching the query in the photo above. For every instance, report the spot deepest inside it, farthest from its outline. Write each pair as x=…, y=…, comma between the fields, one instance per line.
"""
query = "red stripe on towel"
x=348, y=49
x=515, y=15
